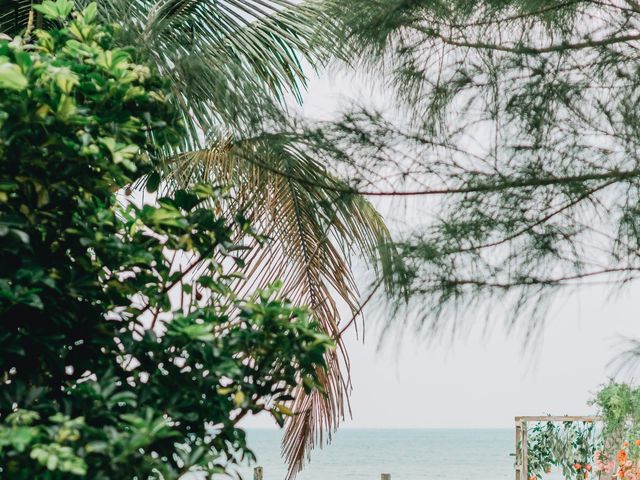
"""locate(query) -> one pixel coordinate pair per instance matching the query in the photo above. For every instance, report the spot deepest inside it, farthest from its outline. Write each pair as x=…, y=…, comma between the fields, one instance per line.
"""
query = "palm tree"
x=231, y=64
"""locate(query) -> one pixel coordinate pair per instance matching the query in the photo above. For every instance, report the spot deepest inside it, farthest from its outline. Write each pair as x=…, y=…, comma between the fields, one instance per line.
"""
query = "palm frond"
x=315, y=232
x=231, y=63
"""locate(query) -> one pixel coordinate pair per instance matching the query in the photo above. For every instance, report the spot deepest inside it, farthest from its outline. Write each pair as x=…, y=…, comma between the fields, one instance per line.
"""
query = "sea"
x=412, y=454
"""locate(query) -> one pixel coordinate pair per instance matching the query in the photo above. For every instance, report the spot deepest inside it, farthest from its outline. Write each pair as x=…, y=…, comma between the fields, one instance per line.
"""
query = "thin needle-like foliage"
x=519, y=130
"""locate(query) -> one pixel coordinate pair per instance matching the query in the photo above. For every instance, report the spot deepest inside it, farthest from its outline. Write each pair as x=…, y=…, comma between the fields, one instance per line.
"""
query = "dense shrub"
x=124, y=352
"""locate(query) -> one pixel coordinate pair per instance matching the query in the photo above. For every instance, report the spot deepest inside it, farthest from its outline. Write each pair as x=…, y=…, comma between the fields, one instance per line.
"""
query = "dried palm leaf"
x=316, y=228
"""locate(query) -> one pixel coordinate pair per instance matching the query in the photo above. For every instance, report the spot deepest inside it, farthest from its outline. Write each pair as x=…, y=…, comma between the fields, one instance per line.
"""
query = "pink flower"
x=608, y=467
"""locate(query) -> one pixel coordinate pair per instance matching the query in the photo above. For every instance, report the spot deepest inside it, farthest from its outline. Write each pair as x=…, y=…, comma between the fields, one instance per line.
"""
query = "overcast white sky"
x=484, y=381
x=480, y=380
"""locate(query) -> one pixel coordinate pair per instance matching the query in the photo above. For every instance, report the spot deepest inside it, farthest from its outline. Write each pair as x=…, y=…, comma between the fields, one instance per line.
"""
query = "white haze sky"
x=481, y=380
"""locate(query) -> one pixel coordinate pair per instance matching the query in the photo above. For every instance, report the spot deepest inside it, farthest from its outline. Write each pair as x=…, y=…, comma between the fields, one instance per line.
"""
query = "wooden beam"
x=518, y=464
x=561, y=418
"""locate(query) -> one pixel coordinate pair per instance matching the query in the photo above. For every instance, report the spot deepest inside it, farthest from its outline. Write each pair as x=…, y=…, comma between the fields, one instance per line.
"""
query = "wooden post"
x=385, y=476
x=518, y=464
x=525, y=452
x=257, y=473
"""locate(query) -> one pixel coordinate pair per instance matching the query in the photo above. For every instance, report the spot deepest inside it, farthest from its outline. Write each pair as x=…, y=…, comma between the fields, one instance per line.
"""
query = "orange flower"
x=638, y=442
x=621, y=457
x=626, y=444
x=588, y=468
x=577, y=466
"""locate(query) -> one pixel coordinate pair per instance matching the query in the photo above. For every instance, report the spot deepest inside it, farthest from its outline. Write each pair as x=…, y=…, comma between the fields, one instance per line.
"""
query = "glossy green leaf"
x=12, y=78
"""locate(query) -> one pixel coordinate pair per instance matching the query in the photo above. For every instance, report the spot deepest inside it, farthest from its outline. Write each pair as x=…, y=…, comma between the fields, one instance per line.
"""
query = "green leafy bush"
x=125, y=353
x=619, y=405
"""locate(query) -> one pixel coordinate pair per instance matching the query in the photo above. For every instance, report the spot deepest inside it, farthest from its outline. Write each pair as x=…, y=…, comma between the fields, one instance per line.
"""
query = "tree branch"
x=524, y=50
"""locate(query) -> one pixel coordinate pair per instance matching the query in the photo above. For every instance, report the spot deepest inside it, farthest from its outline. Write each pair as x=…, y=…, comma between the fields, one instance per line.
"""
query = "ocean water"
x=432, y=454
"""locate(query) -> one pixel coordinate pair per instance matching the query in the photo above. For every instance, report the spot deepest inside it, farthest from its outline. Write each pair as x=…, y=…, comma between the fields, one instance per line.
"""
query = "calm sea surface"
x=405, y=454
